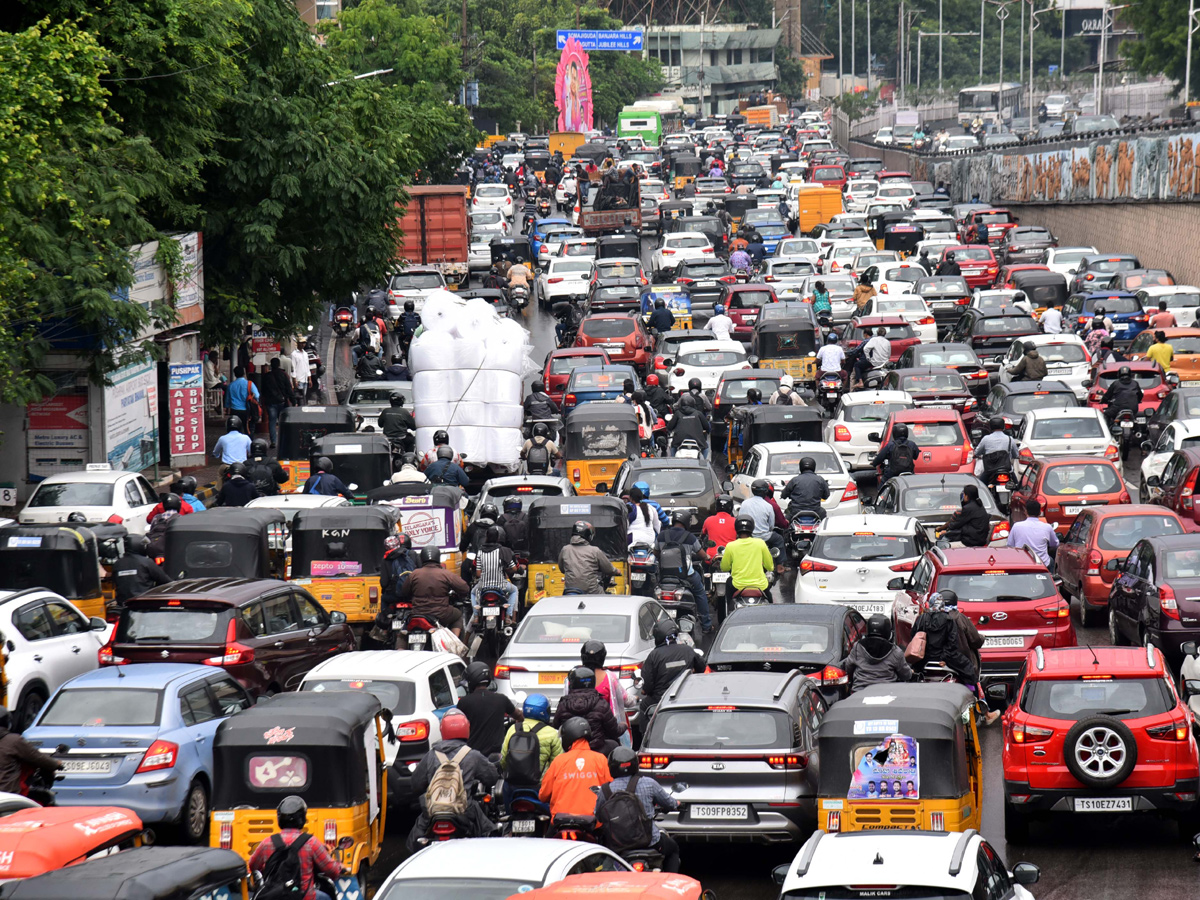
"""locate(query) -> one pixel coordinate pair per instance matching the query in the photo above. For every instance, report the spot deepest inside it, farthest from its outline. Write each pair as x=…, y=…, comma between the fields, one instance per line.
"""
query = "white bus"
x=991, y=102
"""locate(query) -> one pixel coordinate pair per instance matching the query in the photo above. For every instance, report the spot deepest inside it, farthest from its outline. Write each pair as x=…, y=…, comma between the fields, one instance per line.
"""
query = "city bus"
x=639, y=121
x=991, y=102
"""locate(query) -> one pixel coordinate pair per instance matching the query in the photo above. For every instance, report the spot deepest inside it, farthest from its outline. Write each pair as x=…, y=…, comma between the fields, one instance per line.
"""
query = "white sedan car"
x=779, y=462
x=913, y=309
x=1183, y=301
x=1065, y=260
x=678, y=246
x=577, y=247
x=841, y=295
x=1065, y=356
x=858, y=415
x=708, y=361
x=897, y=278
x=564, y=278
x=858, y=192
x=493, y=196
x=1063, y=431
x=853, y=558
x=798, y=248
x=100, y=493
x=840, y=256
x=1178, y=435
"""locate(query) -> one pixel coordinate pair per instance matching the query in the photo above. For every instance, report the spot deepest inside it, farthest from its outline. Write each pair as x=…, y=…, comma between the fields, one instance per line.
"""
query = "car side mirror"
x=1173, y=380
x=1188, y=648
x=1113, y=565
x=874, y=437
x=337, y=617
x=1088, y=383
x=731, y=469
x=727, y=486
x=95, y=623
x=779, y=874
x=998, y=691
x=1147, y=447
x=1191, y=689
x=1153, y=481
x=753, y=360
x=897, y=584
x=602, y=487
x=1026, y=873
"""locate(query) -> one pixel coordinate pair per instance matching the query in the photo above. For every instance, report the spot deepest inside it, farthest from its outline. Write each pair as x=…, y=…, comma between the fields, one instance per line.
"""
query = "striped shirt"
x=492, y=566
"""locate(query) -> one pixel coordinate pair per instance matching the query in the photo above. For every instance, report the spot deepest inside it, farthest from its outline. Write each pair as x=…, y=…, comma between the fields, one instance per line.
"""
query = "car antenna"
x=1095, y=659
x=581, y=605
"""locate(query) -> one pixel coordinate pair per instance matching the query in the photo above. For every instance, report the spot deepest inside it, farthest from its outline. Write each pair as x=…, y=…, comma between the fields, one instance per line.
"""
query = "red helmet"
x=455, y=727
x=651, y=379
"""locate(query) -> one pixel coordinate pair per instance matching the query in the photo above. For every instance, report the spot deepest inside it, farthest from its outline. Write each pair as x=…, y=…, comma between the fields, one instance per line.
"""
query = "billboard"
x=573, y=89
x=624, y=41
x=131, y=416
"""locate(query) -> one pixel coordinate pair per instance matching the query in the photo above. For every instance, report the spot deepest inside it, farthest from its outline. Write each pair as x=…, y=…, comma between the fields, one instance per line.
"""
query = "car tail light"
x=851, y=491
x=963, y=301
x=790, y=761
x=575, y=475
x=1060, y=609
x=841, y=433
x=502, y=672
x=160, y=755
x=1026, y=455
x=1124, y=497
x=707, y=250
x=114, y=519
x=106, y=657
x=569, y=399
x=728, y=279
x=836, y=267
x=834, y=675
x=629, y=671
x=1045, y=504
x=904, y=566
x=834, y=820
x=1094, y=562
x=555, y=280
x=937, y=821
x=966, y=455
x=444, y=829
x=416, y=730
x=331, y=832
x=1167, y=603
x=807, y=565
x=925, y=320
x=1028, y=734
x=999, y=531
x=226, y=835
x=1177, y=730
x=668, y=252
x=1111, y=451
x=684, y=280
x=679, y=371
x=236, y=653
x=647, y=761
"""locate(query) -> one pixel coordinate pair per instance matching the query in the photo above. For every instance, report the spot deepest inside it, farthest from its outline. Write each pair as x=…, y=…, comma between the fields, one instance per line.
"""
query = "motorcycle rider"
x=657, y=397
x=898, y=456
x=428, y=590
x=264, y=471
x=1030, y=367
x=695, y=390
x=582, y=699
x=662, y=319
x=444, y=470
x=785, y=395
x=515, y=524
x=678, y=534
x=720, y=324
x=948, y=266
x=876, y=659
x=476, y=768
x=408, y=323
x=664, y=663
x=942, y=642
x=586, y=569
x=569, y=783
x=740, y=261
x=831, y=357
x=234, y=445
x=995, y=451
x=759, y=510
x=644, y=525
x=323, y=481
x=441, y=438
x=185, y=486
x=864, y=292
x=493, y=565
x=398, y=561
x=690, y=422
x=494, y=280
x=924, y=261
x=821, y=304
x=1123, y=394
x=805, y=491
x=623, y=766
x=519, y=276
x=592, y=655
x=476, y=531
x=874, y=354
x=396, y=422
x=718, y=529
x=535, y=711
x=408, y=470
x=313, y=855
x=540, y=453
x=1161, y=352
x=539, y=405
x=644, y=487
x=369, y=366
x=238, y=489
x=569, y=316
x=971, y=526
x=485, y=709
x=134, y=572
x=747, y=559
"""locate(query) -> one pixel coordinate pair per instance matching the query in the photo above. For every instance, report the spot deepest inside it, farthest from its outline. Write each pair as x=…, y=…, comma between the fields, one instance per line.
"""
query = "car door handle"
x=74, y=649
x=278, y=644
x=200, y=739
x=37, y=657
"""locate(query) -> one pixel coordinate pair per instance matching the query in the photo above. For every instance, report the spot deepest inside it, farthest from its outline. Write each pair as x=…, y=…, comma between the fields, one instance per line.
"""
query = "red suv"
x=1006, y=593
x=977, y=262
x=940, y=436
x=743, y=303
x=1096, y=730
x=622, y=335
x=561, y=363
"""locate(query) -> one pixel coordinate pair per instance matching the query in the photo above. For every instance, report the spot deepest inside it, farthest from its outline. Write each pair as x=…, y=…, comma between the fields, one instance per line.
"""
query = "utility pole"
x=703, y=114
x=1021, y=50
x=900, y=54
x=1104, y=52
x=464, y=35
x=941, y=28
x=982, y=4
x=853, y=54
x=1062, y=48
x=1192, y=25
x=1002, y=14
x=841, y=83
x=868, y=46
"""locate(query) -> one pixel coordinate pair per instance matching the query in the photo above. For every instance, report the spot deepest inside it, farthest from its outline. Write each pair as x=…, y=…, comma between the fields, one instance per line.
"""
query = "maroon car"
x=743, y=303
x=265, y=633
x=936, y=387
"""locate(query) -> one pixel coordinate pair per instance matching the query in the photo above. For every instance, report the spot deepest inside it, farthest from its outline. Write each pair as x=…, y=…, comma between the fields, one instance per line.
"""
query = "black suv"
x=615, y=295
x=703, y=279
x=1016, y=398
x=683, y=484
x=990, y=332
x=740, y=751
x=946, y=295
x=946, y=355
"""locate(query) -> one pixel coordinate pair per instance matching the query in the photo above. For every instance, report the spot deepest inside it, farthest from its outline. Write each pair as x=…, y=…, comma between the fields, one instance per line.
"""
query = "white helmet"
x=786, y=381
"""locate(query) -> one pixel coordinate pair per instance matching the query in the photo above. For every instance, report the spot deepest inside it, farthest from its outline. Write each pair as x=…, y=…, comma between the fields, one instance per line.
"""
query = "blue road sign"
x=627, y=41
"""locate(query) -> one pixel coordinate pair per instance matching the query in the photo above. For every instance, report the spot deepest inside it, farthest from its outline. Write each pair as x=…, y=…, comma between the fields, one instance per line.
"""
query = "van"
x=812, y=205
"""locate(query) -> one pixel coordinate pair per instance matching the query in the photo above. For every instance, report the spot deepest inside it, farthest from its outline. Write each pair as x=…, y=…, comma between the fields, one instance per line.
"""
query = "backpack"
x=900, y=459
x=673, y=561
x=446, y=794
x=282, y=872
x=996, y=462
x=525, y=756
x=537, y=460
x=623, y=822
x=263, y=478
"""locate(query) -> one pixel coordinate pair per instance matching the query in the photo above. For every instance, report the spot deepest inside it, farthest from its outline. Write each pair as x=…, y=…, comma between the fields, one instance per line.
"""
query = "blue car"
x=140, y=737
x=591, y=383
x=1128, y=318
x=541, y=226
x=772, y=233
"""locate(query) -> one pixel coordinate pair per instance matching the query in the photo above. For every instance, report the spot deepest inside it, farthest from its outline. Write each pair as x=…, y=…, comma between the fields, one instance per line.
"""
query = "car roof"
x=926, y=414
x=864, y=398
x=1104, y=660
x=874, y=522
x=602, y=603
x=739, y=688
x=381, y=664
x=915, y=480
x=144, y=675
x=891, y=857
x=988, y=557
x=694, y=346
x=1031, y=387
x=529, y=858
x=230, y=591
x=1053, y=412
x=101, y=477
x=943, y=345
x=926, y=370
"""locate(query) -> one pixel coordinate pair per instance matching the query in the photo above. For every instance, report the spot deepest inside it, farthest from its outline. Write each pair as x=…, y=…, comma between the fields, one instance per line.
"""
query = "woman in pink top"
x=593, y=653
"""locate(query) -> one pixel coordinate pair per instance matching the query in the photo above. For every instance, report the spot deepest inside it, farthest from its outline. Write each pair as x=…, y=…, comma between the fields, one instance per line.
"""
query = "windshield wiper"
x=875, y=556
x=1111, y=712
x=1010, y=598
x=152, y=637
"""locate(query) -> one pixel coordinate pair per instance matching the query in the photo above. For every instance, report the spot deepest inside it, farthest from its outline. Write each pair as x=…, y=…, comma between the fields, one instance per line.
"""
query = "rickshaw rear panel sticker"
x=576, y=509
x=433, y=528
x=887, y=772
x=24, y=541
x=278, y=771
x=876, y=726
x=278, y=735
x=327, y=568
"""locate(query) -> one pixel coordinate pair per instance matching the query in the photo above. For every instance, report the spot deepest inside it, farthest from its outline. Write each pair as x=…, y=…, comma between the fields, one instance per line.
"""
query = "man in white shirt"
x=1052, y=319
x=876, y=354
x=301, y=370
x=831, y=356
x=720, y=324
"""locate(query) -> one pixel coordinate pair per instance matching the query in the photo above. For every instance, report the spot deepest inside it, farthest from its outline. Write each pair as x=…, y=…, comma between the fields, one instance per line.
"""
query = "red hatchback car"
x=1177, y=487
x=829, y=176
x=1067, y=485
x=743, y=303
x=1096, y=730
x=978, y=264
x=900, y=333
x=1149, y=378
x=622, y=335
x=559, y=365
x=940, y=436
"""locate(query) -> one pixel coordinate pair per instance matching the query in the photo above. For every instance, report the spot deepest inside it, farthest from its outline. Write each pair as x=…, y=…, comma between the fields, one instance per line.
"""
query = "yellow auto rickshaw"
x=678, y=301
x=337, y=554
x=299, y=429
x=684, y=170
x=597, y=439
x=901, y=756
x=790, y=344
x=551, y=520
x=66, y=559
x=434, y=519
x=310, y=744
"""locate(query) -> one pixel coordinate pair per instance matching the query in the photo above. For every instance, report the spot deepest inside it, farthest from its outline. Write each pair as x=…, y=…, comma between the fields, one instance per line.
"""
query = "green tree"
x=1162, y=47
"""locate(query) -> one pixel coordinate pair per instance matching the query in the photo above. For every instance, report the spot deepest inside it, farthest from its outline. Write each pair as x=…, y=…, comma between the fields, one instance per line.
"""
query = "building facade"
x=710, y=66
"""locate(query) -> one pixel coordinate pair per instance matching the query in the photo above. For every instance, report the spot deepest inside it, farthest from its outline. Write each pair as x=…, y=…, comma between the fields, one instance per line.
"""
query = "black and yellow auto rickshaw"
x=618, y=246
x=595, y=152
x=684, y=170
x=337, y=554
x=1040, y=288
x=310, y=744
x=434, y=519
x=901, y=756
x=536, y=161
x=142, y=873
x=597, y=439
x=362, y=461
x=512, y=250
x=903, y=237
x=752, y=425
x=672, y=210
x=877, y=224
x=790, y=344
x=66, y=559
x=551, y=520
x=300, y=427
x=737, y=205
x=225, y=543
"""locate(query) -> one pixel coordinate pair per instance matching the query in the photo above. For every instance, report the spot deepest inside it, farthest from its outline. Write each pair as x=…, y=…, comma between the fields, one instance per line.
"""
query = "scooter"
x=643, y=570
x=543, y=206
x=518, y=296
x=343, y=321
x=800, y=535
x=677, y=599
x=829, y=389
x=493, y=612
x=1128, y=432
x=687, y=449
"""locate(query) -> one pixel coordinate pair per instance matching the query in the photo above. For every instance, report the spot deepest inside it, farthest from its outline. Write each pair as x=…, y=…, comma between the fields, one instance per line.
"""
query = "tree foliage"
x=1162, y=47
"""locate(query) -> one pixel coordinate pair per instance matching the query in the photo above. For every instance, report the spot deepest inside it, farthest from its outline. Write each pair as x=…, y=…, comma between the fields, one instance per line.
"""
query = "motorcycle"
x=493, y=612
x=643, y=570
x=543, y=206
x=525, y=815
x=829, y=389
x=1129, y=430
x=343, y=322
x=937, y=672
x=800, y=536
x=573, y=828
x=677, y=599
x=568, y=335
x=873, y=380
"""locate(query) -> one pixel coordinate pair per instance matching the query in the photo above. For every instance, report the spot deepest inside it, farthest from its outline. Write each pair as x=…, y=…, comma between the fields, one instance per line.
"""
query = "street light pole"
x=982, y=4
x=841, y=82
x=853, y=48
x=941, y=28
x=1192, y=25
x=1062, y=48
x=868, y=46
x=1104, y=52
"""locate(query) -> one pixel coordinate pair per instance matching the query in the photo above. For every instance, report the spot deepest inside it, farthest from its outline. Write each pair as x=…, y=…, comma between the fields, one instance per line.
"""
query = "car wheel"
x=1016, y=825
x=1115, y=635
x=1100, y=751
x=1087, y=615
x=194, y=820
x=31, y=704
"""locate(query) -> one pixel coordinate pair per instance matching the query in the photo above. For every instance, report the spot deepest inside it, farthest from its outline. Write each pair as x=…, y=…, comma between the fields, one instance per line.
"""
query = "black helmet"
x=233, y=424
x=259, y=448
x=575, y=729
x=445, y=452
x=409, y=306
x=292, y=812
x=477, y=675
x=900, y=432
x=236, y=469
x=754, y=395
x=397, y=399
x=743, y=525
x=495, y=535
x=681, y=518
x=665, y=631
x=622, y=761
x=581, y=678
x=78, y=518
x=660, y=304
x=430, y=555
x=724, y=503
x=593, y=653
x=1019, y=297
x=996, y=423
x=173, y=501
x=584, y=530
x=760, y=488
x=879, y=626
x=512, y=504
x=324, y=463
x=441, y=436
x=541, y=429
x=409, y=459
x=489, y=511
x=949, y=599
x=1125, y=374
x=808, y=464
x=694, y=384
x=950, y=255
x=186, y=485
x=134, y=543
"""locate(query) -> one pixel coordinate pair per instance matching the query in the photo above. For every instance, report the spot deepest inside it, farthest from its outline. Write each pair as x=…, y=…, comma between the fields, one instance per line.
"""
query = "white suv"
x=1065, y=356
x=563, y=278
x=779, y=462
x=1063, y=431
x=912, y=863
x=99, y=493
x=858, y=415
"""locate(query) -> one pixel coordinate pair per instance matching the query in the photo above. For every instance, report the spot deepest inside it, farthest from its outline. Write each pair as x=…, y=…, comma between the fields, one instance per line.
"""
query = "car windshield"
x=1062, y=353
x=935, y=434
x=571, y=628
x=607, y=269
x=937, y=498
x=790, y=268
x=687, y=242
x=564, y=365
x=1179, y=300
x=711, y=358
x=945, y=358
x=1061, y=428
x=775, y=637
x=789, y=463
x=932, y=382
x=486, y=217
x=976, y=254
x=1023, y=403
x=876, y=411
x=749, y=299
x=416, y=281
x=607, y=328
x=491, y=191
x=573, y=248
x=901, y=305
x=168, y=624
x=798, y=247
x=1096, y=123
x=996, y=584
x=398, y=696
x=676, y=482
x=1146, y=380
x=994, y=218
x=1185, y=346
x=1123, y=532
x=1005, y=324
x=73, y=493
x=451, y=888
x=369, y=396
x=864, y=546
x=1111, y=305
x=944, y=286
x=909, y=274
x=699, y=269
x=734, y=390
x=1081, y=478
x=92, y=707
x=1073, y=700
x=720, y=727
x=559, y=267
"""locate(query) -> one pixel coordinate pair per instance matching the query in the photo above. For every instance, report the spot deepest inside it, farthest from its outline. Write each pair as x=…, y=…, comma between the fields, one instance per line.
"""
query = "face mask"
x=964, y=499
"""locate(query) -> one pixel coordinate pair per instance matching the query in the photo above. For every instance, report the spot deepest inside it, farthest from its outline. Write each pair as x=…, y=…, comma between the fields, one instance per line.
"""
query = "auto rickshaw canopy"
x=61, y=558
x=596, y=152
x=341, y=540
x=935, y=716
x=684, y=166
x=36, y=841
x=362, y=459
x=552, y=519
x=301, y=426
x=878, y=223
x=601, y=431
x=615, y=246
x=902, y=237
x=306, y=743
x=762, y=424
x=222, y=543
x=676, y=209
x=511, y=249
x=144, y=873
x=431, y=519
x=789, y=338
x=620, y=886
x=1041, y=288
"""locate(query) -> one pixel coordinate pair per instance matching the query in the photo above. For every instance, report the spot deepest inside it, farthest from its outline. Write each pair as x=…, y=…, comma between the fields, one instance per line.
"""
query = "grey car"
x=787, y=274
x=369, y=398
x=932, y=499
x=739, y=751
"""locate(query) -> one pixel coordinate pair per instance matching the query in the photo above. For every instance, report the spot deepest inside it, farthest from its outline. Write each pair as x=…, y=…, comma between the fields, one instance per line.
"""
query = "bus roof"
x=991, y=88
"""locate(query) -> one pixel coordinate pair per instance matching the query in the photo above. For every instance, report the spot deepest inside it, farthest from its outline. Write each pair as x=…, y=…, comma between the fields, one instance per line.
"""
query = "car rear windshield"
x=711, y=358
x=1184, y=346
x=415, y=281
x=696, y=269
x=688, y=241
x=997, y=584
x=558, y=267
x=799, y=247
x=937, y=498
x=398, y=696
x=1074, y=699
x=450, y=888
x=608, y=328
x=564, y=365
x=946, y=286
x=996, y=218
x=568, y=628
x=90, y=707
x=789, y=463
x=486, y=217
x=721, y=727
x=1146, y=380
x=909, y=274
x=1081, y=478
x=616, y=292
x=935, y=434
x=791, y=268
x=870, y=892
x=376, y=395
x=1111, y=305
x=598, y=381
x=73, y=493
x=914, y=304
x=961, y=254
x=877, y=411
x=1174, y=301
x=1182, y=563
x=491, y=191
x=735, y=390
x=1023, y=403
x=1062, y=353
x=1123, y=532
x=1005, y=325
x=775, y=637
x=572, y=249
x=932, y=382
x=618, y=269
x=676, y=482
x=945, y=358
x=749, y=299
x=865, y=547
x=169, y=625
x=1062, y=427
x=1139, y=280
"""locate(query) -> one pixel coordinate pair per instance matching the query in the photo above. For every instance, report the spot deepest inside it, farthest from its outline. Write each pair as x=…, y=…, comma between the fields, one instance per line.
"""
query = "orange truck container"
x=815, y=205
x=437, y=231
x=766, y=116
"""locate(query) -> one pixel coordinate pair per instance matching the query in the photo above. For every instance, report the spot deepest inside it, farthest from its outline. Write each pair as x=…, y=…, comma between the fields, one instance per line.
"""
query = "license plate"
x=1072, y=510
x=1120, y=326
x=1141, y=420
x=638, y=577
x=552, y=677
x=749, y=320
x=417, y=640
x=397, y=625
x=86, y=766
x=869, y=609
x=706, y=284
x=996, y=643
x=1103, y=804
x=491, y=612
x=971, y=271
x=524, y=826
x=723, y=811
x=832, y=395
x=720, y=577
x=1058, y=369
